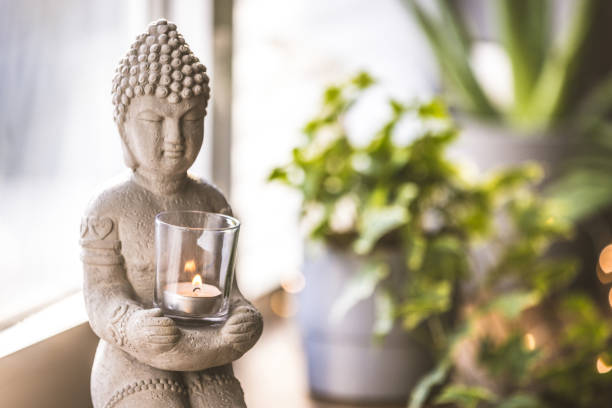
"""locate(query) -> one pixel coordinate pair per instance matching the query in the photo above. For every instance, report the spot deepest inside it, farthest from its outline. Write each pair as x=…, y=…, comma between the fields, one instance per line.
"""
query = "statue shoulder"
x=111, y=199
x=100, y=239
x=211, y=194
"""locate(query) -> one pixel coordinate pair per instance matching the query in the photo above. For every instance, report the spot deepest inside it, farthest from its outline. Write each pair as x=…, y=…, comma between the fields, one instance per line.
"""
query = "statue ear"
x=128, y=156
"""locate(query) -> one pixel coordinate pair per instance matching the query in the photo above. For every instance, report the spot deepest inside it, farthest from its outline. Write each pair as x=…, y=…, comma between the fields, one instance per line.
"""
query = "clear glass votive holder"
x=195, y=254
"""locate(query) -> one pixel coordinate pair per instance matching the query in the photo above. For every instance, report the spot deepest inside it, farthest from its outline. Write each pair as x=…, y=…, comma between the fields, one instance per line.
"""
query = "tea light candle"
x=194, y=254
x=193, y=297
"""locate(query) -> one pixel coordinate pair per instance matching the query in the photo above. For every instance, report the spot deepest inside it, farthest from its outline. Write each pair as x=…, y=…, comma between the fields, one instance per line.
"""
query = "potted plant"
x=525, y=336
x=535, y=84
x=526, y=339
x=554, y=63
x=395, y=224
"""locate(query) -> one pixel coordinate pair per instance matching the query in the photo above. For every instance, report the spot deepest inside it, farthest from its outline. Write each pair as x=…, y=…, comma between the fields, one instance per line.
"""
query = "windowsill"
x=54, y=319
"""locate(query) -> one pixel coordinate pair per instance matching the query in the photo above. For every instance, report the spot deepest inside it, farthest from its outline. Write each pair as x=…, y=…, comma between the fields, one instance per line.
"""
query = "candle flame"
x=602, y=367
x=190, y=266
x=197, y=280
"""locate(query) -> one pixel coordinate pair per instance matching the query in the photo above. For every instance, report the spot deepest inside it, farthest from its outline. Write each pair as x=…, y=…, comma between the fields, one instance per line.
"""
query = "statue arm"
x=114, y=314
x=204, y=347
x=108, y=295
x=108, y=302
x=246, y=315
x=200, y=348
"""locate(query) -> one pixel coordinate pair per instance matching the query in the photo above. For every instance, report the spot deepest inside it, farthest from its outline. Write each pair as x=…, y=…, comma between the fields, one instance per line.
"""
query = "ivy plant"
x=485, y=247
x=559, y=373
x=409, y=198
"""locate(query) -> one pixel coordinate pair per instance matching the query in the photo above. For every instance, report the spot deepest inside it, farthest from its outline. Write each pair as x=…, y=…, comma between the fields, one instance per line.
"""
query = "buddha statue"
x=145, y=359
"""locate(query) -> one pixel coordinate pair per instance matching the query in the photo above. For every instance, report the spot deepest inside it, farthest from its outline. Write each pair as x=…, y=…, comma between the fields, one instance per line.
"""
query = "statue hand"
x=150, y=330
x=242, y=328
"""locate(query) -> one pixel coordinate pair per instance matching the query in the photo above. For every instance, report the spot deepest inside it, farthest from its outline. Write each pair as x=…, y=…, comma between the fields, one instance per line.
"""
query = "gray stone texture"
x=145, y=359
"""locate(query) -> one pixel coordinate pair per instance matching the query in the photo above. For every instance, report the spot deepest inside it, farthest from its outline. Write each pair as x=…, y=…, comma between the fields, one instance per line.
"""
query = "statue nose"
x=173, y=132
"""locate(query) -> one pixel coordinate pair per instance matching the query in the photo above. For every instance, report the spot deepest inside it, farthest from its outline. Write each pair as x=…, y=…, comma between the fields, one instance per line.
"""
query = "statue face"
x=164, y=138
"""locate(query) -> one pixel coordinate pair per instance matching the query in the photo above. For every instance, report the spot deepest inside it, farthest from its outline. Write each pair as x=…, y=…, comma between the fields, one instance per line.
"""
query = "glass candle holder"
x=195, y=253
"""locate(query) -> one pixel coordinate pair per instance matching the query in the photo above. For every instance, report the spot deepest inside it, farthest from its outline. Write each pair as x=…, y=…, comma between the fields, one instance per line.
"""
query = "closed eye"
x=149, y=116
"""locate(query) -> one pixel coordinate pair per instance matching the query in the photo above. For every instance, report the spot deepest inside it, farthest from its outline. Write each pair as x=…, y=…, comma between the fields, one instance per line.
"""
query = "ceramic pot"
x=491, y=147
x=343, y=361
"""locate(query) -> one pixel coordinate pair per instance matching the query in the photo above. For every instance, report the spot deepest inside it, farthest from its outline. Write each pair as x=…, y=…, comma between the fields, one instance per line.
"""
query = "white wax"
x=187, y=289
x=180, y=297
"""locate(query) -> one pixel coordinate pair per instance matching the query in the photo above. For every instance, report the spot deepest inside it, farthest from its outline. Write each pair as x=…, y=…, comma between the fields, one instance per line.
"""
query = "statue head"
x=160, y=94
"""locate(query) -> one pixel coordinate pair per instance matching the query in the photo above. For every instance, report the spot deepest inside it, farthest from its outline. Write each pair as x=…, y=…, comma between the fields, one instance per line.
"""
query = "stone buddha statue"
x=144, y=359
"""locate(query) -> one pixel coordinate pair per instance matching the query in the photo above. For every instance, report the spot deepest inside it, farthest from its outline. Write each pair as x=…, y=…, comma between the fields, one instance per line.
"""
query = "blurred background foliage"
x=559, y=79
x=487, y=283
x=554, y=67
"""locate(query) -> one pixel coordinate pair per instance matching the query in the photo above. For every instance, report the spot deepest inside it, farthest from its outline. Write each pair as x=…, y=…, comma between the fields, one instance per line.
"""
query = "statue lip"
x=173, y=151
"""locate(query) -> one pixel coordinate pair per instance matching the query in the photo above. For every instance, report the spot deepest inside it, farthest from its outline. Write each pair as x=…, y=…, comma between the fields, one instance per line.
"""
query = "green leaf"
x=375, y=222
x=383, y=304
x=332, y=94
x=525, y=34
x=445, y=258
x=360, y=287
x=416, y=252
x=547, y=97
x=435, y=109
x=397, y=107
x=514, y=177
x=591, y=184
x=547, y=275
x=363, y=80
x=278, y=174
x=312, y=126
x=511, y=304
x=450, y=51
x=406, y=193
x=510, y=360
x=521, y=401
x=452, y=20
x=424, y=299
x=465, y=396
x=424, y=387
x=585, y=329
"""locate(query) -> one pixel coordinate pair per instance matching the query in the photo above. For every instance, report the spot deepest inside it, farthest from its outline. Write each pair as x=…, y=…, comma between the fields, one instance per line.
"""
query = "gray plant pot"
x=343, y=362
x=492, y=147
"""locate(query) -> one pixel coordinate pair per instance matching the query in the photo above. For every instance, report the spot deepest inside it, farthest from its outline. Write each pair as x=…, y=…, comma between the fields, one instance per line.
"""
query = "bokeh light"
x=530, y=342
x=294, y=284
x=602, y=367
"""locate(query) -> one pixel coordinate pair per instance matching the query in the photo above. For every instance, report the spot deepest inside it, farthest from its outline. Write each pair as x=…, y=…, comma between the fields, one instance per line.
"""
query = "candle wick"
x=197, y=288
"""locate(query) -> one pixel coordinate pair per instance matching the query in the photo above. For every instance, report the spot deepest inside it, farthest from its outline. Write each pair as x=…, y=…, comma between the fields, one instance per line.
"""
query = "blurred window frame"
x=21, y=329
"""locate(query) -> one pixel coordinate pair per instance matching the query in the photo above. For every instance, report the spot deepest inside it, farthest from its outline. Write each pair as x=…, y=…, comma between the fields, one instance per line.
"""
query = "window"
x=58, y=139
x=285, y=53
x=57, y=135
